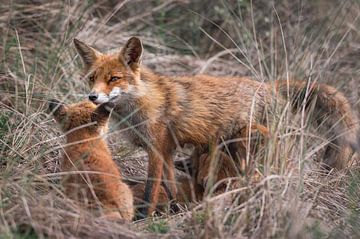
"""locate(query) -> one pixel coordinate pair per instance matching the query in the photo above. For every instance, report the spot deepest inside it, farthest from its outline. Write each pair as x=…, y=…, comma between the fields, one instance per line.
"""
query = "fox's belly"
x=203, y=132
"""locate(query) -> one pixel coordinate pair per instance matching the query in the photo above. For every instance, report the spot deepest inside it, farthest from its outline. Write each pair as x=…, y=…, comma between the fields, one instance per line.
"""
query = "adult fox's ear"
x=87, y=53
x=131, y=52
x=102, y=113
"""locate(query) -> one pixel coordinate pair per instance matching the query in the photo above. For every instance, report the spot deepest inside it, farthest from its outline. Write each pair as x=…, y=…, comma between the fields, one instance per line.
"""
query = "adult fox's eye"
x=91, y=79
x=113, y=79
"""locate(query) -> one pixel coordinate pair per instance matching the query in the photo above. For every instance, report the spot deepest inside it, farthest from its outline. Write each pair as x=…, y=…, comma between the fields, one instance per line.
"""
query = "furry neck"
x=146, y=103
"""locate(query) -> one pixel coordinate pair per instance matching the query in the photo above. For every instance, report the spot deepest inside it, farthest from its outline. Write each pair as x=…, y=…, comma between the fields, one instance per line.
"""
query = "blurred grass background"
x=263, y=39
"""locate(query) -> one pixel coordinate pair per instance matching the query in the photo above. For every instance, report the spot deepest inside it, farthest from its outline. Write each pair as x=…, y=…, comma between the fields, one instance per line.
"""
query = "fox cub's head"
x=83, y=115
x=112, y=75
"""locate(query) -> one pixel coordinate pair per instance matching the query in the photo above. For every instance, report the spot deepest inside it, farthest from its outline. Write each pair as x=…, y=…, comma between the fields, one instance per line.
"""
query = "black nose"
x=93, y=96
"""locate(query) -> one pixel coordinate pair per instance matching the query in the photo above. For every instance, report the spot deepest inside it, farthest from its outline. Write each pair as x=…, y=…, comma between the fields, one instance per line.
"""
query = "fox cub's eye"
x=91, y=79
x=113, y=79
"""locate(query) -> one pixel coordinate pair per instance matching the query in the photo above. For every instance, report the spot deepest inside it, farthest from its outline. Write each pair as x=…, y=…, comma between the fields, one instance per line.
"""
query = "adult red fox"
x=93, y=175
x=161, y=112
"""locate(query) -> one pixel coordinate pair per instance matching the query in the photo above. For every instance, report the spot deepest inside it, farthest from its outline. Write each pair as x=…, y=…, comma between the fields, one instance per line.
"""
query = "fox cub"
x=93, y=175
x=158, y=113
x=222, y=171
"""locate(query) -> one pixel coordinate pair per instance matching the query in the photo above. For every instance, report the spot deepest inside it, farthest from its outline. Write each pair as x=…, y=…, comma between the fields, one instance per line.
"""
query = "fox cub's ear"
x=102, y=112
x=132, y=51
x=87, y=53
x=57, y=108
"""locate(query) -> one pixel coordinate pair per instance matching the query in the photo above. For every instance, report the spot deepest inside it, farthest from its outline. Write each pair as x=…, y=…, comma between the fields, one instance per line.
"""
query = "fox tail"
x=330, y=111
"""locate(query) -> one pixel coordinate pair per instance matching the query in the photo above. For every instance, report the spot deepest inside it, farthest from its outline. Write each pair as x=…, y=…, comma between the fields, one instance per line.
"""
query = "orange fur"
x=93, y=176
x=165, y=111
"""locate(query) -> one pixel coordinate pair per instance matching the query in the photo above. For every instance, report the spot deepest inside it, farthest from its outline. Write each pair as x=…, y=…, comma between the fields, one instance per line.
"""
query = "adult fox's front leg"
x=159, y=153
x=169, y=175
x=153, y=183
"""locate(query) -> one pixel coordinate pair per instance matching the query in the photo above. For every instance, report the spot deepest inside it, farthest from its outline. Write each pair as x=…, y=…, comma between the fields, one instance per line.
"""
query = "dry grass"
x=303, y=39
